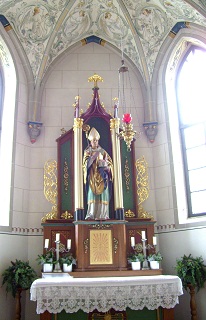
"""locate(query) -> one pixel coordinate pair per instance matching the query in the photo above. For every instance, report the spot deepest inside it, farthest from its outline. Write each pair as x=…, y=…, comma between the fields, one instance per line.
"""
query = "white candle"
x=46, y=243
x=69, y=243
x=154, y=241
x=132, y=241
x=143, y=235
x=57, y=236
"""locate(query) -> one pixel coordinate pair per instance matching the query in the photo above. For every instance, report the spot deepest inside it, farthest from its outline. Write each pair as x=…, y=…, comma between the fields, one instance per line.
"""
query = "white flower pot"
x=154, y=265
x=47, y=267
x=67, y=268
x=136, y=265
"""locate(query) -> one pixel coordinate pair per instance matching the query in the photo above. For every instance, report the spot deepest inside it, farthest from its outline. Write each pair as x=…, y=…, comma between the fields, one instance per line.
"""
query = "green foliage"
x=47, y=257
x=191, y=271
x=155, y=257
x=67, y=258
x=136, y=257
x=18, y=276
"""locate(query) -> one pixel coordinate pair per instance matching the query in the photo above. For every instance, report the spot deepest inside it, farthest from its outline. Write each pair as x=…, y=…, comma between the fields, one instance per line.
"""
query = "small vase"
x=136, y=265
x=47, y=267
x=154, y=265
x=67, y=268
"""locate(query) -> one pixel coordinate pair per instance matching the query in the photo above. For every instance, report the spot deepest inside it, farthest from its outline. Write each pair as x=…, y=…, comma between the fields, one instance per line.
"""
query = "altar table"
x=58, y=293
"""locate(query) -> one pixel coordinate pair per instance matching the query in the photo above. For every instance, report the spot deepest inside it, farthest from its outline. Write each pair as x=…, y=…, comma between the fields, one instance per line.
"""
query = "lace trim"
x=57, y=298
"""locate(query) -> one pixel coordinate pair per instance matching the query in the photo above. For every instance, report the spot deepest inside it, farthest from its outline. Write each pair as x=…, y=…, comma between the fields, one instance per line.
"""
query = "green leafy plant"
x=191, y=271
x=155, y=257
x=136, y=257
x=18, y=276
x=67, y=258
x=47, y=257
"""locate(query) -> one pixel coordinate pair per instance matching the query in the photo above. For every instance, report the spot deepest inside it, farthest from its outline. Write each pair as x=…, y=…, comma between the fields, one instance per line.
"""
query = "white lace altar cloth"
x=71, y=294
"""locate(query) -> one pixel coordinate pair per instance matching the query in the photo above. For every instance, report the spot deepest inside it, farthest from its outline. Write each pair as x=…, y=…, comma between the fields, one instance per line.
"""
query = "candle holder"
x=60, y=248
x=145, y=265
x=57, y=267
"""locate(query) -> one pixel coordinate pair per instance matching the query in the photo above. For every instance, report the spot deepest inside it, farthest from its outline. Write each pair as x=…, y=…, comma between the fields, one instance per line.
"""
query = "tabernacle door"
x=100, y=245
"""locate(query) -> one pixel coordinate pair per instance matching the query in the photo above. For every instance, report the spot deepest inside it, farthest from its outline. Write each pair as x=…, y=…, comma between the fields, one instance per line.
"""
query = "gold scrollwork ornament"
x=50, y=188
x=142, y=182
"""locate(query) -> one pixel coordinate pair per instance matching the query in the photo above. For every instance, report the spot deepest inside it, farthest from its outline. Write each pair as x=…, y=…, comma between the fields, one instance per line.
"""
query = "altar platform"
x=59, y=293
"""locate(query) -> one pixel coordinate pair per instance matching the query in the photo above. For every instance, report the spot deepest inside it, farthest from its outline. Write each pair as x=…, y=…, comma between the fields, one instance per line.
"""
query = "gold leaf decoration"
x=66, y=176
x=129, y=214
x=127, y=174
x=50, y=181
x=50, y=188
x=51, y=215
x=144, y=214
x=67, y=215
x=142, y=180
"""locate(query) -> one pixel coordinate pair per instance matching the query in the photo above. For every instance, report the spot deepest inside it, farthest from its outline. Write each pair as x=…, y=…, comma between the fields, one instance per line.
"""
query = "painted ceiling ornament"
x=113, y=25
x=76, y=26
x=77, y=23
x=140, y=24
x=4, y=54
x=152, y=26
x=33, y=25
x=34, y=22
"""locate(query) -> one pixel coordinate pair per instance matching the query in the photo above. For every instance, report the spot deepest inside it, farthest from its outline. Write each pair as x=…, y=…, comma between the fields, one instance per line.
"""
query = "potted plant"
x=66, y=261
x=192, y=272
x=17, y=277
x=136, y=259
x=47, y=261
x=154, y=260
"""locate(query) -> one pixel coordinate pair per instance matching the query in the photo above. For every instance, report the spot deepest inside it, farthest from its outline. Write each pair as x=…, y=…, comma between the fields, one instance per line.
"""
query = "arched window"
x=185, y=94
x=1, y=101
x=7, y=114
x=191, y=101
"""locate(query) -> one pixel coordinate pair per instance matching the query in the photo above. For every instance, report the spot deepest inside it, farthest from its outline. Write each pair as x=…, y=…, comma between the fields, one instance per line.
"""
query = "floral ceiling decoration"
x=45, y=29
x=48, y=28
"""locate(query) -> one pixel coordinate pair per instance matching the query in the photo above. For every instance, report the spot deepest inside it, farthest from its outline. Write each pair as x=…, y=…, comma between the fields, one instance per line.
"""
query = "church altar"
x=100, y=237
x=58, y=293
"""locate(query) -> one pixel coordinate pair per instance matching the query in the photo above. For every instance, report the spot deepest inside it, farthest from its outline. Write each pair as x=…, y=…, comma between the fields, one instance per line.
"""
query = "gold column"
x=78, y=172
x=118, y=195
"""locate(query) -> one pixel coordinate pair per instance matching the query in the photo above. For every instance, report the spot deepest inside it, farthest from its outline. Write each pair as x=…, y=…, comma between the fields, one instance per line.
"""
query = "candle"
x=57, y=236
x=143, y=235
x=154, y=241
x=132, y=241
x=46, y=243
x=68, y=243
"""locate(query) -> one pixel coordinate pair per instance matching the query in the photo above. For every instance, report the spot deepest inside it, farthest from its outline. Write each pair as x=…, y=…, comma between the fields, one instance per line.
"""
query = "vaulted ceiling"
x=46, y=28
